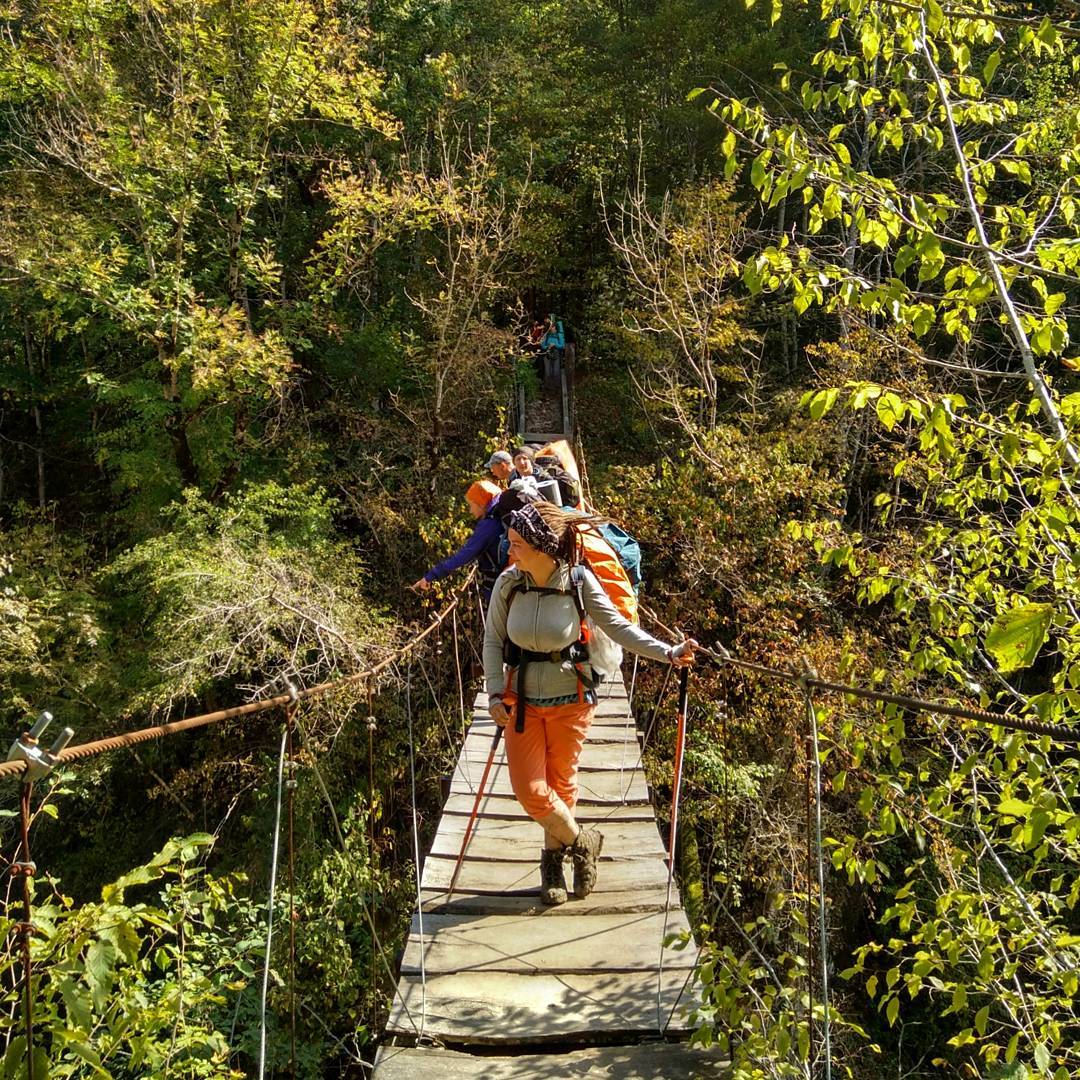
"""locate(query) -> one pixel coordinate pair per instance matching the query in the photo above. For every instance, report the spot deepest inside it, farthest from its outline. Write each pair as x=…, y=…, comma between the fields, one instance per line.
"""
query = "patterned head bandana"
x=534, y=530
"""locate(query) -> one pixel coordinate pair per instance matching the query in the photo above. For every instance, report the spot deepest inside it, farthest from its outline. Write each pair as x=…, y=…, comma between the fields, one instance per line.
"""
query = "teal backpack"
x=628, y=550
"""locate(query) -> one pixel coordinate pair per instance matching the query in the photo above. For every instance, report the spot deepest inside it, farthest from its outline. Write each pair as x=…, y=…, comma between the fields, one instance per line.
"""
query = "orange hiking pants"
x=543, y=759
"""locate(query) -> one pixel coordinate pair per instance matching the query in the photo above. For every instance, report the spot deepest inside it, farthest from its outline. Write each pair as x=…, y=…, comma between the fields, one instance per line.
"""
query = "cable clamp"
x=719, y=653
x=805, y=675
x=39, y=762
x=23, y=869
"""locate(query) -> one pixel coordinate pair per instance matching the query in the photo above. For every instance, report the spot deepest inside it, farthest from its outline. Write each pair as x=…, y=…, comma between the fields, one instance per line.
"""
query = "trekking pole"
x=680, y=743
x=475, y=811
x=676, y=790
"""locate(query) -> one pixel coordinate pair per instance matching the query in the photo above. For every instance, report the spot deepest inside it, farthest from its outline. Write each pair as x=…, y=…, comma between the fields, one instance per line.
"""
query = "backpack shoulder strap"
x=524, y=587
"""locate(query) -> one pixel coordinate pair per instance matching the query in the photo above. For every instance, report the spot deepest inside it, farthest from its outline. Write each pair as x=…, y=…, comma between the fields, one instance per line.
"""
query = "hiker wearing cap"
x=540, y=680
x=482, y=547
x=501, y=466
x=526, y=469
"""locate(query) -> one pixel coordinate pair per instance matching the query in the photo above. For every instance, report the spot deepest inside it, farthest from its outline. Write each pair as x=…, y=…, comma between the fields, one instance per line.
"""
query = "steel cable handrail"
x=159, y=731
x=808, y=680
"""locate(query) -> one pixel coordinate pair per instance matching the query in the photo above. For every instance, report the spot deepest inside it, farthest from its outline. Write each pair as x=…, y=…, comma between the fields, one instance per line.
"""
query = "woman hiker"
x=482, y=547
x=526, y=469
x=534, y=624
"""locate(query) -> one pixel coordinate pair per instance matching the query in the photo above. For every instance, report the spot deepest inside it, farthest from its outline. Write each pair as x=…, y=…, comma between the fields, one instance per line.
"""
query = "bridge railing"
x=29, y=764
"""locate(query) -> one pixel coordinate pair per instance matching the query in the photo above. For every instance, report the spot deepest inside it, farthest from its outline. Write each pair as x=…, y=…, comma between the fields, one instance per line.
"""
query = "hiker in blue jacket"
x=482, y=547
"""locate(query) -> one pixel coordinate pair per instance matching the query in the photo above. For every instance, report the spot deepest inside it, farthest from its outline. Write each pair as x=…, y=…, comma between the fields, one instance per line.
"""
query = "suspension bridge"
x=491, y=983
x=489, y=968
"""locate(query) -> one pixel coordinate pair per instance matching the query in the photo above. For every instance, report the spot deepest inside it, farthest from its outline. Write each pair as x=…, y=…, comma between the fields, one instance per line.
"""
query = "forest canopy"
x=264, y=271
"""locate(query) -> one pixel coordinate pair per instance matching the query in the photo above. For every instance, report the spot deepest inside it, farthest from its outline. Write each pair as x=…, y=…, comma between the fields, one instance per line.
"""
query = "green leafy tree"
x=149, y=151
x=935, y=198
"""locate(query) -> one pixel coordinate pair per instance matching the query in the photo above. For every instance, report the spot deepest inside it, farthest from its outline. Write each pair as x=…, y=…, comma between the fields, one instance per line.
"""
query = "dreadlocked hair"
x=567, y=526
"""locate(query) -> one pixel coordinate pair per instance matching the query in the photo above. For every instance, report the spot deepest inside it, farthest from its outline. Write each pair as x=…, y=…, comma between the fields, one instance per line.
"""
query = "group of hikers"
x=560, y=609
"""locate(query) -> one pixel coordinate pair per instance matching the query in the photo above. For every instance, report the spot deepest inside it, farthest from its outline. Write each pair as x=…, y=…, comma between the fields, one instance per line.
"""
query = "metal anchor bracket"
x=39, y=762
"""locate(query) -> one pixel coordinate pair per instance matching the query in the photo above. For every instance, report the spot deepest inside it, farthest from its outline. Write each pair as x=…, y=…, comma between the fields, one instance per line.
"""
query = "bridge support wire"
x=808, y=756
x=416, y=846
x=823, y=941
x=290, y=787
x=270, y=904
x=376, y=942
x=460, y=677
x=25, y=868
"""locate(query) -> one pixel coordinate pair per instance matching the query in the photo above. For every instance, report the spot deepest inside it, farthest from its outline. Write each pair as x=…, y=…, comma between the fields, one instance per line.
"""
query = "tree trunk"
x=176, y=424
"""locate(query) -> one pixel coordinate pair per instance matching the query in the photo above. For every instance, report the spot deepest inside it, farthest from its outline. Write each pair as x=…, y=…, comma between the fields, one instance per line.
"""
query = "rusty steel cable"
x=159, y=731
x=720, y=655
x=289, y=701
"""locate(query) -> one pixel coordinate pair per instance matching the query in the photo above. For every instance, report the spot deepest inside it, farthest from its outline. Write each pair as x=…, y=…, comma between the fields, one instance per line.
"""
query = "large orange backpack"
x=604, y=563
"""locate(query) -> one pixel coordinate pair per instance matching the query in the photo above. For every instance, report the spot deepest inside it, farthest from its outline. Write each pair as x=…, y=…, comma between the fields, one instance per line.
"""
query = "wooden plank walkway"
x=495, y=975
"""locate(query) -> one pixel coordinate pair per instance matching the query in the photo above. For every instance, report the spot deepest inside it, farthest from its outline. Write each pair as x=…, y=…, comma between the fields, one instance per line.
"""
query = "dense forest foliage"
x=263, y=271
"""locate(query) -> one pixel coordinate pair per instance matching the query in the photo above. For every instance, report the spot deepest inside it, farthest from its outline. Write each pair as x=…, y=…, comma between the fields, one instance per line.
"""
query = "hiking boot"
x=585, y=850
x=552, y=881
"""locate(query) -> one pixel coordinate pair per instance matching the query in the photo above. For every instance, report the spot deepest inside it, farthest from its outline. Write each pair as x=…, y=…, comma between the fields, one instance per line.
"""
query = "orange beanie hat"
x=482, y=492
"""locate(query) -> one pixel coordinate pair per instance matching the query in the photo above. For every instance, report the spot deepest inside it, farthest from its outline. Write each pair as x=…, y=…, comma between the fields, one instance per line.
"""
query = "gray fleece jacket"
x=544, y=623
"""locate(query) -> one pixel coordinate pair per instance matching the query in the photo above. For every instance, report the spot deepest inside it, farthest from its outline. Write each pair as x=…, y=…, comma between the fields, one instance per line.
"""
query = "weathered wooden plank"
x=495, y=838
x=506, y=806
x=480, y=741
x=609, y=717
x=504, y=969
x=583, y=943
x=599, y=902
x=594, y=755
x=603, y=787
x=478, y=876
x=504, y=1007
x=647, y=1061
